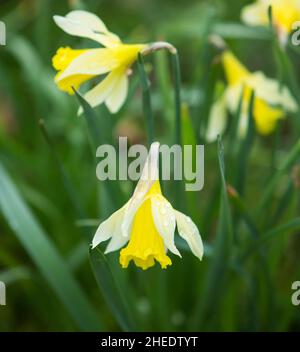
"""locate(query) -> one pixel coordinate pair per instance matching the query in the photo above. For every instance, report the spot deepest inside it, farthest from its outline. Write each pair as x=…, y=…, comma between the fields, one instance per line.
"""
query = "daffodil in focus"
x=146, y=223
x=284, y=14
x=113, y=60
x=270, y=104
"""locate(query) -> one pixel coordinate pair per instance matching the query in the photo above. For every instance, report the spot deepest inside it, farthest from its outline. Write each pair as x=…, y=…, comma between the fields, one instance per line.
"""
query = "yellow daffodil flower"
x=270, y=103
x=284, y=13
x=147, y=222
x=78, y=66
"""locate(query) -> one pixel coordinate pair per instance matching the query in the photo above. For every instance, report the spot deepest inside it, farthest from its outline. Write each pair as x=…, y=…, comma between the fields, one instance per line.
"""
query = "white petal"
x=148, y=177
x=91, y=62
x=217, y=120
x=118, y=94
x=165, y=223
x=86, y=25
x=117, y=242
x=109, y=228
x=255, y=14
x=101, y=91
x=190, y=233
x=270, y=91
x=88, y=19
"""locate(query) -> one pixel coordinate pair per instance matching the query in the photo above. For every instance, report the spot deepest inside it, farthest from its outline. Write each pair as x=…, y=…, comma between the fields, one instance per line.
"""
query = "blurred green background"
x=50, y=202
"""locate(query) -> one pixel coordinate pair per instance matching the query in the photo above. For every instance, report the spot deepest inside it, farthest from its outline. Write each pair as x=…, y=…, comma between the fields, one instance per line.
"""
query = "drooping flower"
x=284, y=14
x=114, y=59
x=147, y=223
x=270, y=104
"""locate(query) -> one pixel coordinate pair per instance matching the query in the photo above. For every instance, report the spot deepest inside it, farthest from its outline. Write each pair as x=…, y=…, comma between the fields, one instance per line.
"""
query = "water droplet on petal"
x=166, y=223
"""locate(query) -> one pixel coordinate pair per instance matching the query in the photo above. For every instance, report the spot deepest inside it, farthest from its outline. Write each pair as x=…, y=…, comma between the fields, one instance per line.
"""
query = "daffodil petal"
x=117, y=240
x=190, y=233
x=217, y=119
x=101, y=91
x=269, y=90
x=86, y=25
x=88, y=19
x=91, y=62
x=118, y=94
x=148, y=177
x=109, y=228
x=255, y=14
x=165, y=222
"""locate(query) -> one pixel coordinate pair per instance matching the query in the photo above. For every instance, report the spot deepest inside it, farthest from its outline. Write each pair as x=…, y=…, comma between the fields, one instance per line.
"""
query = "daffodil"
x=147, y=223
x=270, y=104
x=113, y=60
x=284, y=14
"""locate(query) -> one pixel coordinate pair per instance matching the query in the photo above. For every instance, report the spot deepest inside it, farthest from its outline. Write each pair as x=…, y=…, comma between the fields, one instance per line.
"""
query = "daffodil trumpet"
x=111, y=62
x=146, y=224
x=271, y=102
x=284, y=14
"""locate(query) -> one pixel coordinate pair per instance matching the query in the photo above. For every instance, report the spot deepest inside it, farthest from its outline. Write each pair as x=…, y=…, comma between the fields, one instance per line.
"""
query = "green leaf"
x=112, y=197
x=240, y=31
x=220, y=263
x=288, y=162
x=292, y=225
x=245, y=149
x=45, y=256
x=110, y=290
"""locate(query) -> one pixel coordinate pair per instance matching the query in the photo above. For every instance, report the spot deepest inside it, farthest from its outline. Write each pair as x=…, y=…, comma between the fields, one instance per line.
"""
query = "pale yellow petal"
x=86, y=25
x=269, y=90
x=148, y=178
x=118, y=94
x=101, y=91
x=91, y=62
x=164, y=220
x=217, y=119
x=190, y=233
x=255, y=14
x=109, y=228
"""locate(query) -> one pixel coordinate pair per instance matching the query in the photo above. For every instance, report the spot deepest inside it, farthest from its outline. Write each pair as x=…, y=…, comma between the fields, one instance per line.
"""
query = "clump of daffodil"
x=271, y=101
x=284, y=14
x=78, y=66
x=147, y=222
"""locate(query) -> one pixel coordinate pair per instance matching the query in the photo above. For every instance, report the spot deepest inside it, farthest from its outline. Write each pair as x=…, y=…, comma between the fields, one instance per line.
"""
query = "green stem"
x=177, y=97
x=146, y=100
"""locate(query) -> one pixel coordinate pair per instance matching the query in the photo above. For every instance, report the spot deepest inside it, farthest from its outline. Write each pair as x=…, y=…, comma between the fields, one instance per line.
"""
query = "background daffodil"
x=147, y=221
x=270, y=103
x=284, y=13
x=77, y=66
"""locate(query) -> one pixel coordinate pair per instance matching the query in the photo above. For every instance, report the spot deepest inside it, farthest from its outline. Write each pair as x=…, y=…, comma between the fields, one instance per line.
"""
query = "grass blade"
x=220, y=261
x=44, y=254
x=110, y=290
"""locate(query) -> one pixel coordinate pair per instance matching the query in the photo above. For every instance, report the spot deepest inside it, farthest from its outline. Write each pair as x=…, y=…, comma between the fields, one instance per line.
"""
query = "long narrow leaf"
x=44, y=254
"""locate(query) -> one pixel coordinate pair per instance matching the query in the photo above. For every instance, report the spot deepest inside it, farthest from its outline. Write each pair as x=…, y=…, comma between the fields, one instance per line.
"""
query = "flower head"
x=284, y=13
x=147, y=222
x=113, y=59
x=270, y=103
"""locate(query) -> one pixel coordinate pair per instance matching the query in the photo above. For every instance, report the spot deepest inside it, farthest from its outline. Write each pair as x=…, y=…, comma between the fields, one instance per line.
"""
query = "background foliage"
x=51, y=202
